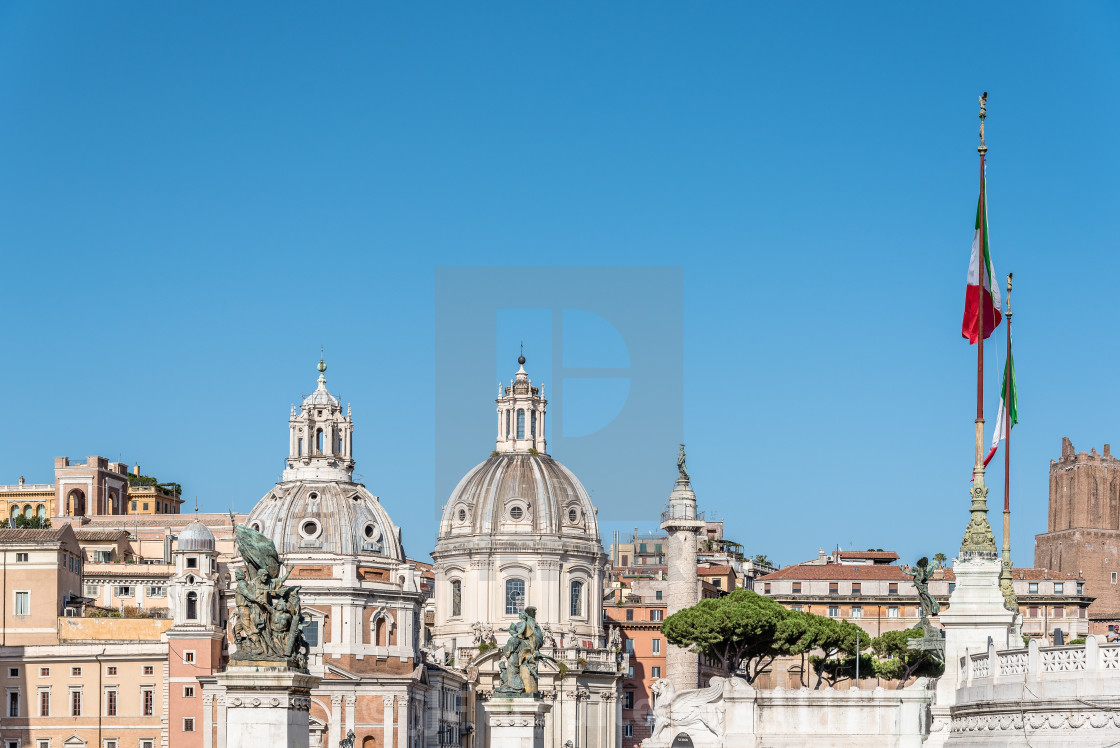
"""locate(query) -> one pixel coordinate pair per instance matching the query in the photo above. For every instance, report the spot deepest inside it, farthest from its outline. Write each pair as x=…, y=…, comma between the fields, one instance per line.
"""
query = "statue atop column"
x=520, y=656
x=268, y=621
x=681, y=468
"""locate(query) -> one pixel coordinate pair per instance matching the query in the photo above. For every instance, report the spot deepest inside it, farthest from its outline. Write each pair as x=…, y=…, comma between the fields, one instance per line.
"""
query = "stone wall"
x=1038, y=696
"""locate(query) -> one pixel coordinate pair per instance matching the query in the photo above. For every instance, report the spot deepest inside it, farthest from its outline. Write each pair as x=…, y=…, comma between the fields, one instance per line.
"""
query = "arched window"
x=319, y=441
x=77, y=503
x=28, y=511
x=577, y=598
x=533, y=423
x=520, y=423
x=41, y=512
x=192, y=606
x=380, y=638
x=515, y=596
x=456, y=597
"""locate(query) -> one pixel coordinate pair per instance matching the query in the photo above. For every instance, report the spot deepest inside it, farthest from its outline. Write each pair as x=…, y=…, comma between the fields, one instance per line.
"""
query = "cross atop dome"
x=521, y=413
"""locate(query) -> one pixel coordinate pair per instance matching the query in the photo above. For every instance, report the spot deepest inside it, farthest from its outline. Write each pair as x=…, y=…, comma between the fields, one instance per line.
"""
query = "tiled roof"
x=838, y=571
x=127, y=570
x=873, y=555
x=12, y=536
x=93, y=535
x=713, y=570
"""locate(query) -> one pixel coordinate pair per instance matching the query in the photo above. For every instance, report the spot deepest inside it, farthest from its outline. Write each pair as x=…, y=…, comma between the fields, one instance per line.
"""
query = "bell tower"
x=321, y=437
x=521, y=410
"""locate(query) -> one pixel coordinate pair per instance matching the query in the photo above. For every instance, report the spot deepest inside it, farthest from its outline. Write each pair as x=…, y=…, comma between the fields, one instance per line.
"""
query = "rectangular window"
x=188, y=692
x=149, y=670
x=656, y=614
x=796, y=607
x=42, y=744
x=515, y=596
x=188, y=724
x=655, y=671
x=625, y=560
x=657, y=596
x=892, y=588
x=102, y=557
x=629, y=614
x=110, y=744
x=75, y=703
x=157, y=592
x=1059, y=588
x=44, y=702
x=1032, y=588
x=857, y=611
x=628, y=731
x=629, y=646
x=23, y=603
x=576, y=598
x=657, y=646
x=13, y=672
x=717, y=582
x=75, y=672
x=1114, y=577
x=145, y=506
x=123, y=590
x=657, y=548
x=627, y=699
x=13, y=703
x=857, y=588
x=21, y=558
x=834, y=588
x=797, y=588
x=630, y=672
x=91, y=590
x=833, y=611
x=134, y=506
x=111, y=670
x=1081, y=588
x=1032, y=611
x=892, y=611
x=147, y=744
x=44, y=672
x=147, y=697
x=1059, y=611
x=188, y=656
x=111, y=702
x=192, y=562
x=1082, y=613
x=766, y=588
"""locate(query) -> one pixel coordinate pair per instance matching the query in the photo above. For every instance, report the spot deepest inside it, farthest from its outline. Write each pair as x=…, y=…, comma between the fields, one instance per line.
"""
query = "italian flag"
x=980, y=270
x=1001, y=417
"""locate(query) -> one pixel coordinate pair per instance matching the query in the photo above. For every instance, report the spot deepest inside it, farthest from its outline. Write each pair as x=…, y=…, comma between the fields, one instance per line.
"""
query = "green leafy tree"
x=897, y=661
x=761, y=559
x=940, y=559
x=837, y=640
x=31, y=523
x=742, y=628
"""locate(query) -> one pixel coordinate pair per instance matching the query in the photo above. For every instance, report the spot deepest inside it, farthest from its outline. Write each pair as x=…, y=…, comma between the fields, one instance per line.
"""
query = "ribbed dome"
x=519, y=493
x=326, y=517
x=196, y=537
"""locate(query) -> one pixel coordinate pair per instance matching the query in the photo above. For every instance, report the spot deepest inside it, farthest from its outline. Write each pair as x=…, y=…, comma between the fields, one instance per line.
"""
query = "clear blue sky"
x=194, y=197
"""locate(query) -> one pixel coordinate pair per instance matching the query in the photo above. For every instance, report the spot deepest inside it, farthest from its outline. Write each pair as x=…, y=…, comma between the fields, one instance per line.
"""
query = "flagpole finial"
x=1009, y=297
x=983, y=114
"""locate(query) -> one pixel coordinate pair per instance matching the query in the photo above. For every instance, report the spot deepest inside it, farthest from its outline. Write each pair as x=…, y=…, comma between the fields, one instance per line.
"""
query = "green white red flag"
x=1001, y=418
x=980, y=271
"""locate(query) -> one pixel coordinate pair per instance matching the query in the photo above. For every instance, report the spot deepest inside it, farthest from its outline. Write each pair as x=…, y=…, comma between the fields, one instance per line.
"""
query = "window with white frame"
x=655, y=671
x=124, y=590
x=110, y=743
x=188, y=724
x=515, y=596
x=656, y=644
x=23, y=603
x=188, y=656
x=147, y=744
x=656, y=614
x=857, y=611
x=156, y=591
x=91, y=590
x=13, y=672
x=833, y=611
x=892, y=611
x=576, y=608
x=43, y=743
x=628, y=731
x=188, y=692
x=13, y=702
x=22, y=558
x=45, y=702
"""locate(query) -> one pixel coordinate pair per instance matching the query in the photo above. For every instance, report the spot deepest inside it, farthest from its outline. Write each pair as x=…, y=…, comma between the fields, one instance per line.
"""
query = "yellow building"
x=27, y=499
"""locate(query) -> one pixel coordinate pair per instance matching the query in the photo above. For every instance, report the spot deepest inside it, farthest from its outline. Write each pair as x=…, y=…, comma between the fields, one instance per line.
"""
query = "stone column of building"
x=683, y=524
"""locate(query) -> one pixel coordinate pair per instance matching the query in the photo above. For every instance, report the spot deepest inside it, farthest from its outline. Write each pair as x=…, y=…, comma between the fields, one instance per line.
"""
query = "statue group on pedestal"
x=268, y=621
x=520, y=655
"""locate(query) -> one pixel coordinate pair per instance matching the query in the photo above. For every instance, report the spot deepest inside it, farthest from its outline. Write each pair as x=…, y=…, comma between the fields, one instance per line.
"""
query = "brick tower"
x=683, y=524
x=1083, y=528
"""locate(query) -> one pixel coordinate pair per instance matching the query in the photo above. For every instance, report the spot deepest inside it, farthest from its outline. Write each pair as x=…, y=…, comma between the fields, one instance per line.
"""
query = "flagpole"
x=1006, y=586
x=978, y=469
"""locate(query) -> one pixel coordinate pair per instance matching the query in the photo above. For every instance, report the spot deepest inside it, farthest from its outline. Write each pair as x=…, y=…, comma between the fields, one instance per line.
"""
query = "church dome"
x=519, y=493
x=196, y=537
x=326, y=517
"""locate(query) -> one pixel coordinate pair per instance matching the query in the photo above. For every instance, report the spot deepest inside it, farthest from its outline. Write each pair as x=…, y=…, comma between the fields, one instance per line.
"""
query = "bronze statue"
x=680, y=464
x=269, y=619
x=520, y=656
x=921, y=575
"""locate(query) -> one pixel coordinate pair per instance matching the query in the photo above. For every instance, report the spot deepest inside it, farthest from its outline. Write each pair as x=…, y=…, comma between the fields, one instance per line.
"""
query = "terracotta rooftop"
x=871, y=555
x=90, y=533
x=712, y=569
x=128, y=570
x=838, y=571
x=13, y=536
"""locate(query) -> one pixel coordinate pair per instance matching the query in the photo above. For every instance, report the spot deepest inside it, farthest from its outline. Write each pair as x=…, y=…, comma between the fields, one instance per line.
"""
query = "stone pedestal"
x=516, y=722
x=266, y=706
x=976, y=612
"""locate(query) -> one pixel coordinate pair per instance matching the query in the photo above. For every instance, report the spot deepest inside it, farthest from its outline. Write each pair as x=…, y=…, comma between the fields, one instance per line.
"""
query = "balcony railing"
x=681, y=513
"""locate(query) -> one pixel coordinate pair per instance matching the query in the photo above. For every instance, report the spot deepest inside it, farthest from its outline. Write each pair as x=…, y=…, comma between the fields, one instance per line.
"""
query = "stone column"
x=402, y=722
x=387, y=738
x=516, y=722
x=683, y=524
x=334, y=728
x=266, y=706
x=351, y=699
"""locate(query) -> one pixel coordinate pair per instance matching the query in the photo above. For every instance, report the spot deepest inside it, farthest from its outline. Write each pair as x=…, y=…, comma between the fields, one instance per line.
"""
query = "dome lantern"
x=521, y=414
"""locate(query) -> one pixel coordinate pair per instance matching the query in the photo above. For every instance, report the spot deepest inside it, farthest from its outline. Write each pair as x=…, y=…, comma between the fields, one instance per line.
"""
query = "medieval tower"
x=1083, y=528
